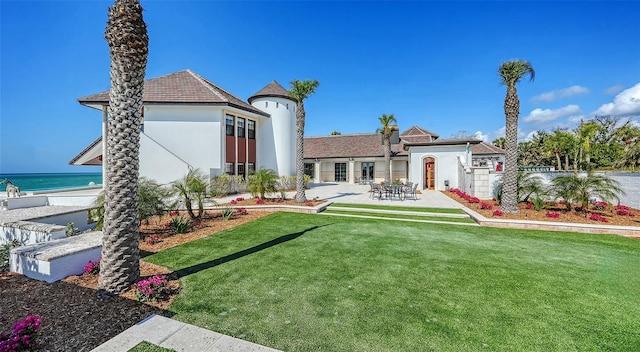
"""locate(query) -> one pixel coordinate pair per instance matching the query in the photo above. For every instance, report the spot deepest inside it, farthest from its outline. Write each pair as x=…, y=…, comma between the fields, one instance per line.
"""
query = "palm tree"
x=301, y=90
x=511, y=72
x=192, y=187
x=388, y=126
x=126, y=34
x=576, y=189
x=499, y=142
x=262, y=181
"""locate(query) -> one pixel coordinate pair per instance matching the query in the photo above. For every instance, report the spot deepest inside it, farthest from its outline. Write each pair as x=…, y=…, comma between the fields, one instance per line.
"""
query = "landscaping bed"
x=73, y=319
x=551, y=212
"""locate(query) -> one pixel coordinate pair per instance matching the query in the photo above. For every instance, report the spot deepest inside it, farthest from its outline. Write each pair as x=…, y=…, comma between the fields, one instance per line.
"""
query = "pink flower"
x=498, y=212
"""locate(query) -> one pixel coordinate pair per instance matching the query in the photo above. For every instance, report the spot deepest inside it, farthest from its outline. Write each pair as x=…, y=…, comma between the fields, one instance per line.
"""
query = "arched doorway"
x=429, y=173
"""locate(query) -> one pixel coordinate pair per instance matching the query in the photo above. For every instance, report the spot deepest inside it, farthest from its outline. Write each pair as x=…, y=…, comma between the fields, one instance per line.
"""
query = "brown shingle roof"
x=416, y=131
x=485, y=148
x=183, y=87
x=347, y=145
x=273, y=89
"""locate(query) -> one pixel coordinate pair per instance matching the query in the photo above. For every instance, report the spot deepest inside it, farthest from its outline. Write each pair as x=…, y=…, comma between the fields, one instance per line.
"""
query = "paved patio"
x=348, y=193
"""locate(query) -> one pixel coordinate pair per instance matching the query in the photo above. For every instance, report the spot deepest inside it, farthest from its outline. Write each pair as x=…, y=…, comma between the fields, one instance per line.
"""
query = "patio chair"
x=411, y=192
x=376, y=189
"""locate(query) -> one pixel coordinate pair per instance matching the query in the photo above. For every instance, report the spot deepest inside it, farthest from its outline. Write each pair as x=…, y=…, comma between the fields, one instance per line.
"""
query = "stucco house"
x=191, y=123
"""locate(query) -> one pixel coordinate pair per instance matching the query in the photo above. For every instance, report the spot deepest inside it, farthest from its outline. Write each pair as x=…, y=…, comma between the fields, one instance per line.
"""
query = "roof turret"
x=273, y=89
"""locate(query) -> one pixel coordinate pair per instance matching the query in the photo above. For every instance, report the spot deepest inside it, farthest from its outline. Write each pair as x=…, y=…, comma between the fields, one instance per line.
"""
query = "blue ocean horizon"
x=51, y=181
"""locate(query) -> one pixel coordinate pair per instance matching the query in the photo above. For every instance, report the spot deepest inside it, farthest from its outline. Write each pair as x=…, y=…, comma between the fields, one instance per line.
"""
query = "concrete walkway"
x=178, y=336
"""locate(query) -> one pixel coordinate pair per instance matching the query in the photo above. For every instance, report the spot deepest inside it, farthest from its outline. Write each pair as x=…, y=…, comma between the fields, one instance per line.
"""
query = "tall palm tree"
x=301, y=90
x=388, y=126
x=511, y=72
x=126, y=34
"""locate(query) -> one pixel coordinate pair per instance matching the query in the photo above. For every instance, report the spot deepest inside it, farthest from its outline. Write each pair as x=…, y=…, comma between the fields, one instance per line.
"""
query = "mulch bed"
x=74, y=319
x=573, y=216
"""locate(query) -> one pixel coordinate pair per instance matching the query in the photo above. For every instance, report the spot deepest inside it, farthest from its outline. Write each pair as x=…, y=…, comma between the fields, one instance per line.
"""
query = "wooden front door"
x=430, y=175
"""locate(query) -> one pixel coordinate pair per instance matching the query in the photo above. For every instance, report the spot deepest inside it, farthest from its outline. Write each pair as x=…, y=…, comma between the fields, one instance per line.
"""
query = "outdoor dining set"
x=393, y=191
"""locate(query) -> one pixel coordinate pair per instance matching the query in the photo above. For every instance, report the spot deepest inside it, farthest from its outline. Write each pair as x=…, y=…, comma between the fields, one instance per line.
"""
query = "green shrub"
x=71, y=230
x=538, y=203
x=180, y=224
x=227, y=212
x=152, y=200
x=262, y=181
x=4, y=255
x=220, y=185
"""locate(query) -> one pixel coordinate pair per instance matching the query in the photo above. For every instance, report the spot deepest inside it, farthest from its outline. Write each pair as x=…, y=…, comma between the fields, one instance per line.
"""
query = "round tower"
x=276, y=136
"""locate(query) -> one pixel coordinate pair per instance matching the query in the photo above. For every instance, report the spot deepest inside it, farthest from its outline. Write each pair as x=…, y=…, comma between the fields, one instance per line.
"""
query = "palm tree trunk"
x=126, y=34
x=557, y=153
x=509, y=203
x=387, y=158
x=300, y=116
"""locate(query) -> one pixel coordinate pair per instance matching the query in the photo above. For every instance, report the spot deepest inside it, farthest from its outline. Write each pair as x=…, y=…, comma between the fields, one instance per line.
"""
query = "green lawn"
x=303, y=282
x=399, y=208
x=400, y=216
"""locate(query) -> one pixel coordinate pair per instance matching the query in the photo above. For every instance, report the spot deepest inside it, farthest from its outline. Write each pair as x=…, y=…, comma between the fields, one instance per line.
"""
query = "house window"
x=240, y=122
x=251, y=129
x=340, y=173
x=251, y=167
x=241, y=170
x=229, y=120
x=228, y=169
x=308, y=169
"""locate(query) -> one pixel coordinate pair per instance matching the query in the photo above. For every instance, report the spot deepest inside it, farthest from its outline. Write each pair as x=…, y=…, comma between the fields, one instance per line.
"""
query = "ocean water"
x=40, y=182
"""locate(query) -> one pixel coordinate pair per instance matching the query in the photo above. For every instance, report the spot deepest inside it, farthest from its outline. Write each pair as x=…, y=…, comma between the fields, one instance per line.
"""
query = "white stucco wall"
x=277, y=133
x=180, y=135
x=446, y=158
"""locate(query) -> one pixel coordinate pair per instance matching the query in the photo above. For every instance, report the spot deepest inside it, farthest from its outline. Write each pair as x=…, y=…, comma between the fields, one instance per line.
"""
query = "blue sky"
x=432, y=64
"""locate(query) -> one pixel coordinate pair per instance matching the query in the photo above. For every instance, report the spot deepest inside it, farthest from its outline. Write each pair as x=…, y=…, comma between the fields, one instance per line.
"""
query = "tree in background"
x=388, y=123
x=499, y=142
x=511, y=72
x=301, y=90
x=585, y=132
x=126, y=34
x=336, y=133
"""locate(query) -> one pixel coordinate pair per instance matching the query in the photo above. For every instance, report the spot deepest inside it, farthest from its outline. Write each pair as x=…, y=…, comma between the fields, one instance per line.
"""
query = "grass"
x=302, y=282
x=401, y=216
x=146, y=346
x=399, y=208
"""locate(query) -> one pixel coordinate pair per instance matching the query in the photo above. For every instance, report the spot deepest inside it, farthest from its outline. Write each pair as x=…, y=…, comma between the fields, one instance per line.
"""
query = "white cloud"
x=530, y=136
x=546, y=115
x=614, y=89
x=627, y=103
x=481, y=136
x=560, y=93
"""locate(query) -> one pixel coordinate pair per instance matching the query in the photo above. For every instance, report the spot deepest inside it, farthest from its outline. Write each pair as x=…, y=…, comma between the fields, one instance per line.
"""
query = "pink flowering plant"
x=485, y=205
x=92, y=267
x=23, y=336
x=259, y=201
x=552, y=214
x=498, y=212
x=242, y=211
x=153, y=239
x=597, y=217
x=149, y=289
